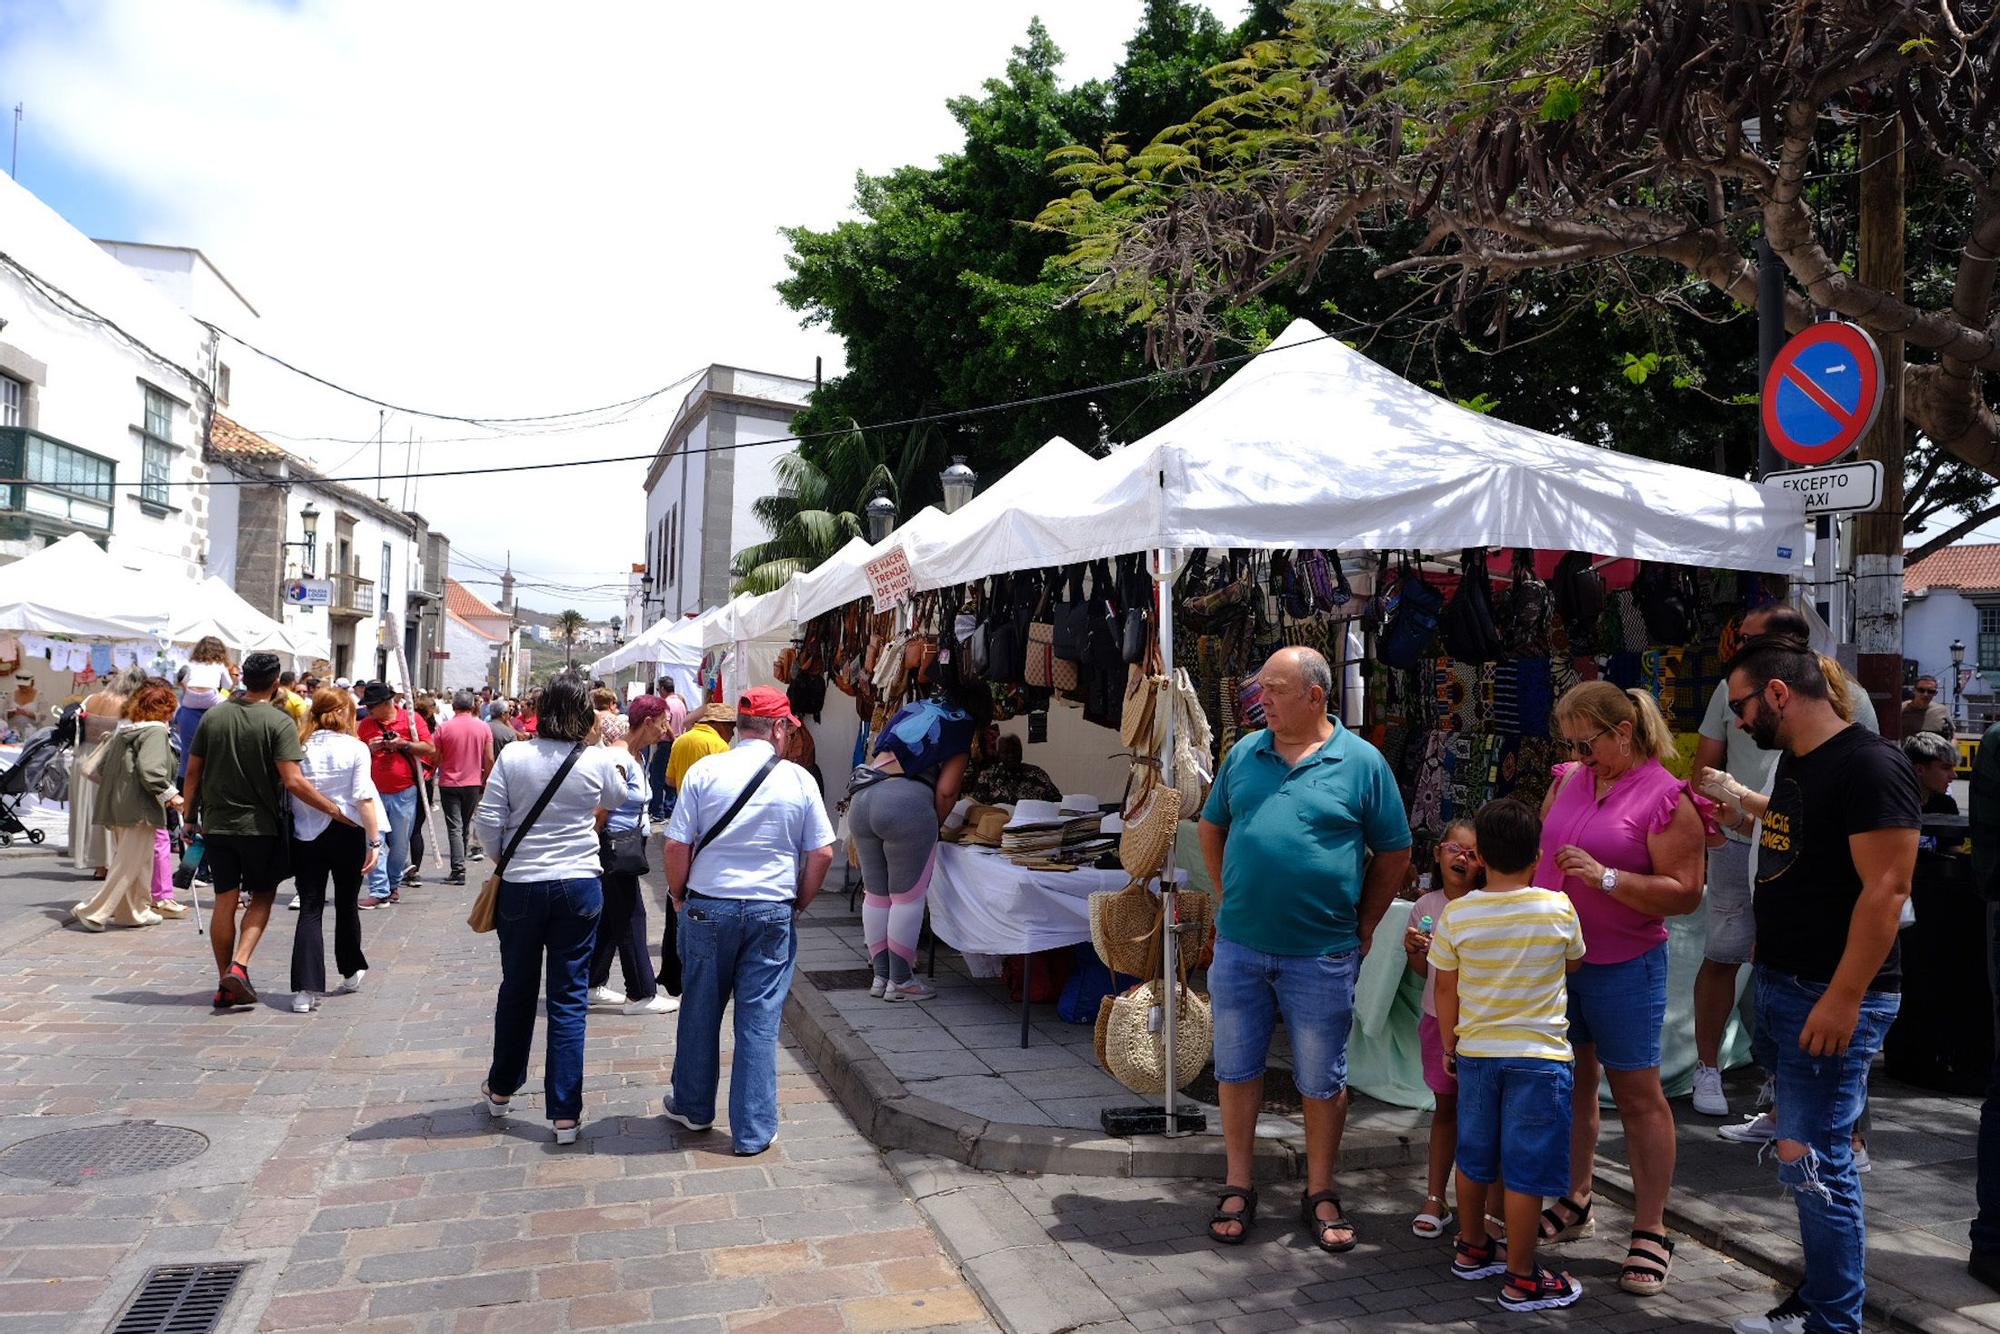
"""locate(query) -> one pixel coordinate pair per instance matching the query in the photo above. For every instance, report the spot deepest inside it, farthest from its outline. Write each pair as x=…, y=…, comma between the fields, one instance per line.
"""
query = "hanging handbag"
x=1530, y=606
x=1579, y=595
x=483, y=904
x=1668, y=602
x=1324, y=579
x=1006, y=649
x=1039, y=661
x=1466, y=624
x=1137, y=626
x=1071, y=620
x=1413, y=624
x=1194, y=744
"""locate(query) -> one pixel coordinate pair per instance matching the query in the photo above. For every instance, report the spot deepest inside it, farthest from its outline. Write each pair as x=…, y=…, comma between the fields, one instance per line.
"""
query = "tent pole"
x=1164, y=565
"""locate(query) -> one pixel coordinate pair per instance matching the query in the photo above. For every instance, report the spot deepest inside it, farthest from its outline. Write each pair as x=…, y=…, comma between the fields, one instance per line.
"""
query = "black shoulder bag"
x=735, y=807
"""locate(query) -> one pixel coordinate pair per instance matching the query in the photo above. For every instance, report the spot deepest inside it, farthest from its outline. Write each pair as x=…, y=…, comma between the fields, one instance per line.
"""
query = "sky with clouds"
x=502, y=208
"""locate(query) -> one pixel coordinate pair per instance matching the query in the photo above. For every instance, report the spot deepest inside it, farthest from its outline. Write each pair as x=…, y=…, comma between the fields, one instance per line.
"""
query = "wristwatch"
x=374, y=842
x=1608, y=881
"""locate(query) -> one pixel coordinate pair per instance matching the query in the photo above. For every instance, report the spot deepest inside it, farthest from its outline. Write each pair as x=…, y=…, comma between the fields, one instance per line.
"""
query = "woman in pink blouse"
x=1623, y=838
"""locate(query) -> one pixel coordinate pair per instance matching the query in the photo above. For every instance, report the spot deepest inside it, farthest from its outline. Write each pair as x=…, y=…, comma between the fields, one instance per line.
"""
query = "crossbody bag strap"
x=535, y=811
x=736, y=807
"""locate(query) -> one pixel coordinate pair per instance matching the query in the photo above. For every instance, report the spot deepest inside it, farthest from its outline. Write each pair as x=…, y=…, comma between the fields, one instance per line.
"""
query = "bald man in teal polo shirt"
x=1306, y=836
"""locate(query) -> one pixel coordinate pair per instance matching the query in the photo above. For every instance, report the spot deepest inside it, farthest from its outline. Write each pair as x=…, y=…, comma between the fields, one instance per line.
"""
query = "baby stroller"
x=42, y=750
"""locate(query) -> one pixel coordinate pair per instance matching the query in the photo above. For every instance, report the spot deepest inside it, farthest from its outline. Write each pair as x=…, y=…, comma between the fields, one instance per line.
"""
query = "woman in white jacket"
x=338, y=764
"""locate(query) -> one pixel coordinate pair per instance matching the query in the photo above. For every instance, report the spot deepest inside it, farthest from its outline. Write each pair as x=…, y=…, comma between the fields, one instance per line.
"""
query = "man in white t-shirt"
x=748, y=847
x=1732, y=930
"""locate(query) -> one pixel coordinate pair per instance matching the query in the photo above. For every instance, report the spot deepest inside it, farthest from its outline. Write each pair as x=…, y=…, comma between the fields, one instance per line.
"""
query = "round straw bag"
x=1147, y=843
x=1125, y=930
x=1137, y=1058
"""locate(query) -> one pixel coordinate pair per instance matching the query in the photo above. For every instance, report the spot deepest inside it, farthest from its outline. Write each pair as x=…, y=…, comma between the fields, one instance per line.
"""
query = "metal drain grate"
x=70, y=1157
x=841, y=979
x=181, y=1299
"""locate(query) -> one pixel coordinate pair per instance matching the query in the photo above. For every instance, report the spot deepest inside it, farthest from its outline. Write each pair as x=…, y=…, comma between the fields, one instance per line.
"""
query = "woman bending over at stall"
x=898, y=800
x=1623, y=838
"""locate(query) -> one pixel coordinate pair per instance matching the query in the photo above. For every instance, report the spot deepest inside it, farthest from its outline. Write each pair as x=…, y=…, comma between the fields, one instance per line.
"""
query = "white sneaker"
x=875, y=988
x=657, y=1003
x=1708, y=1095
x=352, y=982
x=1759, y=1129
x=294, y=904
x=1862, y=1162
x=916, y=989
x=1787, y=1317
x=303, y=1002
x=147, y=918
x=605, y=998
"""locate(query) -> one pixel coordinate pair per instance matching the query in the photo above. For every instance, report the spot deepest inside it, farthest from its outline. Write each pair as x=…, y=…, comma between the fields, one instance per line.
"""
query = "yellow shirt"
x=1510, y=949
x=697, y=743
x=294, y=704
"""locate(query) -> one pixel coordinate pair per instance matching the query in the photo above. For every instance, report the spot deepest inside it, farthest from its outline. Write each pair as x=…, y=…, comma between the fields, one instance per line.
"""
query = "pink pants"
x=163, y=865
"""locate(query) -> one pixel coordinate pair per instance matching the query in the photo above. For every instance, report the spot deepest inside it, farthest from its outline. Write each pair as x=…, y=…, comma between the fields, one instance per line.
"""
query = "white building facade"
x=104, y=400
x=718, y=457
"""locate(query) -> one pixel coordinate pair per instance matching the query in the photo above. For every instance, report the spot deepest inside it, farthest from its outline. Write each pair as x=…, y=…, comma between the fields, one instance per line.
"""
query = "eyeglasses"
x=1736, y=706
x=1584, y=746
x=1447, y=851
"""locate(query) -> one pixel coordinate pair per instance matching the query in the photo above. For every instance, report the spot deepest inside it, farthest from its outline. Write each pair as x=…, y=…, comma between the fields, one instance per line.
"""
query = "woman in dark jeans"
x=551, y=896
x=622, y=932
x=338, y=764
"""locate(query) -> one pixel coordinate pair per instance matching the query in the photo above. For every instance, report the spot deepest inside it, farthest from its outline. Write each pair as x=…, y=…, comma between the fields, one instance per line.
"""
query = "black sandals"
x=1340, y=1222
x=1243, y=1217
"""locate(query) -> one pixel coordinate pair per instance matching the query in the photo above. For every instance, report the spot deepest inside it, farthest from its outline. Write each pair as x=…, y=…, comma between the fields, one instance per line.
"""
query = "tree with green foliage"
x=823, y=497
x=568, y=625
x=1532, y=180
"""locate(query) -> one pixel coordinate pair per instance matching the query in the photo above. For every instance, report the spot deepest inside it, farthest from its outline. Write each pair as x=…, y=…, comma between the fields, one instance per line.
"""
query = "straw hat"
x=983, y=826
x=1137, y=1058
x=714, y=712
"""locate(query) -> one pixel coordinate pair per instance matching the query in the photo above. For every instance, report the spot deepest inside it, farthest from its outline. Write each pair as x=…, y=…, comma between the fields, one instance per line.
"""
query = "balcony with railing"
x=353, y=596
x=52, y=487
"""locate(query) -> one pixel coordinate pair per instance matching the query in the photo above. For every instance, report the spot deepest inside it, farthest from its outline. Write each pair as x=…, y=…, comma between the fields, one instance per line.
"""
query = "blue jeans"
x=186, y=720
x=740, y=950
x=660, y=806
x=553, y=921
x=395, y=858
x=1819, y=1100
x=1248, y=989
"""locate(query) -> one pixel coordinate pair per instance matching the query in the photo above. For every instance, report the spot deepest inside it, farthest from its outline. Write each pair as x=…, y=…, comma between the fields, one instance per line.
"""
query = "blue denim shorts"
x=1250, y=989
x=1620, y=1008
x=1513, y=1122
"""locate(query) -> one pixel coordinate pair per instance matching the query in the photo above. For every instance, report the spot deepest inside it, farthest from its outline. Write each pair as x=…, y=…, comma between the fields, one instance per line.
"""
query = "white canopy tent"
x=671, y=644
x=74, y=588
x=947, y=553
x=1313, y=444
x=212, y=607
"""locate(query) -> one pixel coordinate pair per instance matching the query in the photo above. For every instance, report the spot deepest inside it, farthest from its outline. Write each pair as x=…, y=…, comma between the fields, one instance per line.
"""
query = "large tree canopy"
x=1513, y=166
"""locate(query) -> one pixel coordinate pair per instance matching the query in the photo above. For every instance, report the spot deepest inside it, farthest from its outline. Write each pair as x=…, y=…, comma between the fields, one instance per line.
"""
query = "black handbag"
x=1072, y=619
x=1135, y=630
x=623, y=852
x=1466, y=624
x=1006, y=636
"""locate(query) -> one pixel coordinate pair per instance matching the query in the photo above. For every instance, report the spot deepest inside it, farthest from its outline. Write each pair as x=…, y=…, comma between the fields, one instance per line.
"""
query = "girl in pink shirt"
x=1623, y=839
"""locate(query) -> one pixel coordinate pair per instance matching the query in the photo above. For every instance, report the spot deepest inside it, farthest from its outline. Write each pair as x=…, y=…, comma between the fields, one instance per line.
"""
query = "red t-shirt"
x=394, y=771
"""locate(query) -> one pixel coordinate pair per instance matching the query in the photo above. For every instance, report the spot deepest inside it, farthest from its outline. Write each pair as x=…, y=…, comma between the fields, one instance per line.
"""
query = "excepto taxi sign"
x=1845, y=488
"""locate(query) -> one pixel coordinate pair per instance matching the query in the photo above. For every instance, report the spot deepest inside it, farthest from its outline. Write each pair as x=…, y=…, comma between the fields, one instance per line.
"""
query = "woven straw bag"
x=1194, y=744
x=1125, y=930
x=1147, y=844
x=1137, y=1058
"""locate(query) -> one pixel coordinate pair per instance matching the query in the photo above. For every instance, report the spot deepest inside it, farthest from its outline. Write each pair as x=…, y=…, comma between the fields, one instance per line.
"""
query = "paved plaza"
x=346, y=1160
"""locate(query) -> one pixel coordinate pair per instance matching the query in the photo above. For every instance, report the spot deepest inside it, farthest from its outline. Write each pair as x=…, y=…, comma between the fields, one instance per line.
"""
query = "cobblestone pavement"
x=349, y=1161
x=1114, y=1257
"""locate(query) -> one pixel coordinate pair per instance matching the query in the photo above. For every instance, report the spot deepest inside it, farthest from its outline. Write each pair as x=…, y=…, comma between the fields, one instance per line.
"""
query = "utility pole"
x=1878, y=537
x=381, y=426
x=14, y=163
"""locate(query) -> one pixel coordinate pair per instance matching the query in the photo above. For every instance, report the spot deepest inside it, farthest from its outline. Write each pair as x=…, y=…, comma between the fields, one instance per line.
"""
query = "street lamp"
x=309, y=524
x=881, y=515
x=959, y=481
x=1957, y=662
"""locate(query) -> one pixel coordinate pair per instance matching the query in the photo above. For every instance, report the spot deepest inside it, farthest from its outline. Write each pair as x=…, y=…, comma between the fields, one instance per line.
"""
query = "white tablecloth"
x=981, y=903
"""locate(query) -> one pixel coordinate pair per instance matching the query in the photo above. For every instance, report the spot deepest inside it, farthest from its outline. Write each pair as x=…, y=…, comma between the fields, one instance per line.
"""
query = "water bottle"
x=1425, y=924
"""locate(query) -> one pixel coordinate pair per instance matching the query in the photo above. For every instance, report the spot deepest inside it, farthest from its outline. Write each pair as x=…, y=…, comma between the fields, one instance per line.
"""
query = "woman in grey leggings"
x=900, y=798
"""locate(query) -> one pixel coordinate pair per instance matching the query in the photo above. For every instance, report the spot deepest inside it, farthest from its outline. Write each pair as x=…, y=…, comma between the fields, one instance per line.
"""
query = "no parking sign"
x=1823, y=392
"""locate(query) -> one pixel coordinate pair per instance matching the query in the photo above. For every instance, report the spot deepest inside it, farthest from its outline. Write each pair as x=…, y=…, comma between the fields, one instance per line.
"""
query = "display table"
x=981, y=903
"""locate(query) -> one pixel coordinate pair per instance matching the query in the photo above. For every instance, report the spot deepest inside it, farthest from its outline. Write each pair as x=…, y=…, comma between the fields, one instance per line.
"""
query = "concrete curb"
x=896, y=1119
x=893, y=1117
x=1778, y=1255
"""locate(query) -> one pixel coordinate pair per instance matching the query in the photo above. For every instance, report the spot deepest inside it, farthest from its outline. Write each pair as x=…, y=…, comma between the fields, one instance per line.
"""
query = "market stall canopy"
x=74, y=588
x=845, y=582
x=670, y=643
x=212, y=607
x=1312, y=444
x=1002, y=516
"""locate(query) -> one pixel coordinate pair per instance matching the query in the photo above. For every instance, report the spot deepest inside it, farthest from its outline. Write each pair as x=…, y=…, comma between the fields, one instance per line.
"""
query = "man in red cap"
x=748, y=847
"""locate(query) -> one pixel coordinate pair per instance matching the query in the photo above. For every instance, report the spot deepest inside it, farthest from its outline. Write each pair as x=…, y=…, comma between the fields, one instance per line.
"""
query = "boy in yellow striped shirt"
x=1501, y=955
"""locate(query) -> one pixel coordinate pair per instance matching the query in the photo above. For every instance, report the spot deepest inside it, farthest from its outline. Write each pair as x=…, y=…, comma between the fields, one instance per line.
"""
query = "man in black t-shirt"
x=1837, y=848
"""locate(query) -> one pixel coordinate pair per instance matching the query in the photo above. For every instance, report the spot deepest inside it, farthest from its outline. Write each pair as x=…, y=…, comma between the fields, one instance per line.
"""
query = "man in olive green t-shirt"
x=242, y=765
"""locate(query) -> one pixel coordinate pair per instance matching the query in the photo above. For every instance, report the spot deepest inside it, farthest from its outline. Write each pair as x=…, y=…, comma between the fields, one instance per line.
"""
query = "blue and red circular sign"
x=1823, y=392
